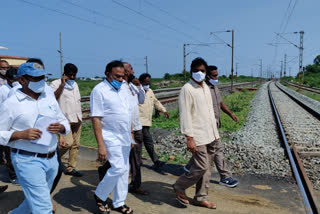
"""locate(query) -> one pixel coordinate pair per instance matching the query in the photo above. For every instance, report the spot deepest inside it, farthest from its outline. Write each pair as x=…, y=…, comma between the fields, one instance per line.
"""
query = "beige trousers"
x=200, y=172
x=72, y=141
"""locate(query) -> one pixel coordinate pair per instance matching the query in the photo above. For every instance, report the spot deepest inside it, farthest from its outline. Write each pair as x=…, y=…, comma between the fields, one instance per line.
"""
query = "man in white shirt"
x=198, y=124
x=34, y=158
x=4, y=91
x=67, y=93
x=111, y=118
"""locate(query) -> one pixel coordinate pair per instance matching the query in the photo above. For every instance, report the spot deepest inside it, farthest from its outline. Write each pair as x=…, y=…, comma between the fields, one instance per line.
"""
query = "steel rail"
x=303, y=87
x=309, y=208
x=303, y=105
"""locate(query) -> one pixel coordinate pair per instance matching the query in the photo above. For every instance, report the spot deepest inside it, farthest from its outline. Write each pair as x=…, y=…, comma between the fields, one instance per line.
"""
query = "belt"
x=40, y=155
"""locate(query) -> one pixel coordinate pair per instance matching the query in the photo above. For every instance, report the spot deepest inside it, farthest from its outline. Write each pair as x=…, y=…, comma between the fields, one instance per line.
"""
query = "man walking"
x=67, y=93
x=11, y=80
x=137, y=95
x=199, y=125
x=111, y=118
x=30, y=130
x=218, y=105
x=145, y=114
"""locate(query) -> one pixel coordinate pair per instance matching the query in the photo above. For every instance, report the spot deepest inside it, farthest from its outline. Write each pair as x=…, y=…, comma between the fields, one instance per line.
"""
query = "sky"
x=98, y=31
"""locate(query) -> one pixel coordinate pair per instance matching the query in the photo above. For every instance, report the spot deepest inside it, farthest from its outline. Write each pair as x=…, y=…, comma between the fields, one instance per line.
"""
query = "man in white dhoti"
x=111, y=119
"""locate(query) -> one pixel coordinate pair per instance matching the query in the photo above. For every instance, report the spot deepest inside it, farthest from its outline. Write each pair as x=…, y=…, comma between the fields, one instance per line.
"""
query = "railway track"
x=300, y=130
x=304, y=87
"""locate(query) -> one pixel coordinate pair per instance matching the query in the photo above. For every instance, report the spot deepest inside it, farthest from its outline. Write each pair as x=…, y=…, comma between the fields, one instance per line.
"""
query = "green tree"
x=317, y=60
x=167, y=76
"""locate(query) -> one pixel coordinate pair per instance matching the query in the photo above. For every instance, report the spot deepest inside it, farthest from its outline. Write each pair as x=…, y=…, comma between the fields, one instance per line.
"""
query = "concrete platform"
x=255, y=194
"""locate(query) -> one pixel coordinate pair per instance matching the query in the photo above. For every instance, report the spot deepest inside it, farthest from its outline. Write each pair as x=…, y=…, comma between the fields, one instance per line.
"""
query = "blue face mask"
x=116, y=84
x=37, y=87
x=69, y=84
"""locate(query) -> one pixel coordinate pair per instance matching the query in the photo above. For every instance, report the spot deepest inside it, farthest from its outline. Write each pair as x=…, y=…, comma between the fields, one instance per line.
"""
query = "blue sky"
x=96, y=32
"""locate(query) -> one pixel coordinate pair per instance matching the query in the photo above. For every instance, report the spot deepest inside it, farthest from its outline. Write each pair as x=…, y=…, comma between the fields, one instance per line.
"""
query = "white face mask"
x=3, y=72
x=69, y=84
x=213, y=82
x=16, y=83
x=198, y=76
x=146, y=87
x=37, y=87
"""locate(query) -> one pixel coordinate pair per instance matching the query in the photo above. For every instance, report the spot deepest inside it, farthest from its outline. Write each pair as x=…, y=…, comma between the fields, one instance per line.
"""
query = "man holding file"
x=33, y=147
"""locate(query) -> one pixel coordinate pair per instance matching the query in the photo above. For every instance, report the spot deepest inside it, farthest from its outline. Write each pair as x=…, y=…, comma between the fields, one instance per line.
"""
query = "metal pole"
x=184, y=63
x=60, y=51
x=281, y=70
x=285, y=65
x=301, y=54
x=232, y=48
x=146, y=64
x=260, y=70
x=236, y=71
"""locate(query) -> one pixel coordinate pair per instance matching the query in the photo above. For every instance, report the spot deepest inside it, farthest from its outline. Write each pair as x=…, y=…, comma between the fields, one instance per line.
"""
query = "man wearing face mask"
x=67, y=94
x=12, y=80
x=4, y=66
x=111, y=114
x=199, y=125
x=219, y=160
x=34, y=158
x=145, y=115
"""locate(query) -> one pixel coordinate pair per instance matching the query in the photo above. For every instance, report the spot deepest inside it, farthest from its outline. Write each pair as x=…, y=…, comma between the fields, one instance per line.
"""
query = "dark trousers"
x=135, y=160
x=60, y=170
x=7, y=152
x=148, y=143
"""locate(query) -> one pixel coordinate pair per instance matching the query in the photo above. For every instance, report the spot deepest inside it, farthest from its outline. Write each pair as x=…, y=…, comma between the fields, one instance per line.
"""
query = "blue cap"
x=32, y=69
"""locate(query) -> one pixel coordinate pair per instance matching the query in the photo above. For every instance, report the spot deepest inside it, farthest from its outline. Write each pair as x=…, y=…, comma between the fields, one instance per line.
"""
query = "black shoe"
x=3, y=188
x=74, y=173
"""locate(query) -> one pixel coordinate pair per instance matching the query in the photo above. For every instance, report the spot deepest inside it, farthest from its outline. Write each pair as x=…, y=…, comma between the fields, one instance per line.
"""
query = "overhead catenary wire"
x=155, y=21
x=109, y=27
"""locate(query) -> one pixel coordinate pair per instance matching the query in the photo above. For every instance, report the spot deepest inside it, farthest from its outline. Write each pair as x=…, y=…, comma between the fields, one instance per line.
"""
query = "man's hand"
x=136, y=82
x=102, y=153
x=234, y=118
x=64, y=78
x=62, y=142
x=56, y=128
x=166, y=114
x=30, y=134
x=191, y=145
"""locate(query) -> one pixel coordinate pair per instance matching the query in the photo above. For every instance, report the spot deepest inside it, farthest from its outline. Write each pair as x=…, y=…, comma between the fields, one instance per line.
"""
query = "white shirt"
x=134, y=101
x=4, y=92
x=23, y=116
x=115, y=111
x=69, y=101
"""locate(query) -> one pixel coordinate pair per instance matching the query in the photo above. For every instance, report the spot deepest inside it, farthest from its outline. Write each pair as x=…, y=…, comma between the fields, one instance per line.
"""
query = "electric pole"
x=146, y=58
x=260, y=70
x=184, y=63
x=281, y=69
x=237, y=70
x=60, y=52
x=289, y=71
x=285, y=65
x=232, y=55
x=301, y=55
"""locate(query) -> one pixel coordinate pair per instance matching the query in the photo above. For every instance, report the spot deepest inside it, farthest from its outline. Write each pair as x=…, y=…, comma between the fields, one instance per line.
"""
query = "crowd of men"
x=46, y=123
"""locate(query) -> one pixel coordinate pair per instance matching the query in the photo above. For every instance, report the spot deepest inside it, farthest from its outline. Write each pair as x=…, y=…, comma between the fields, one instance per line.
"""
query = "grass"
x=87, y=136
x=86, y=86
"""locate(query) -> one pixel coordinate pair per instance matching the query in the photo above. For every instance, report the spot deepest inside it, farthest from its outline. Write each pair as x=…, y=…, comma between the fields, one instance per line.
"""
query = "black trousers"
x=149, y=144
x=135, y=160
